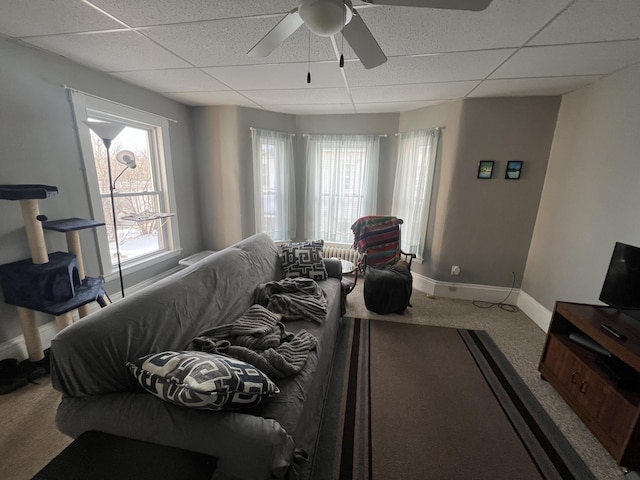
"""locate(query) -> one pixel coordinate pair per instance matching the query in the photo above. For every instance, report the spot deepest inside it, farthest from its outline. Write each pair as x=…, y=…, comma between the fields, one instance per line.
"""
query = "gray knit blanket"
x=294, y=298
x=259, y=338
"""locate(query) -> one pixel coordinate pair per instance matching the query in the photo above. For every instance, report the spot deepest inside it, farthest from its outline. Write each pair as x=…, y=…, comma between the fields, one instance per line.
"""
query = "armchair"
x=387, y=269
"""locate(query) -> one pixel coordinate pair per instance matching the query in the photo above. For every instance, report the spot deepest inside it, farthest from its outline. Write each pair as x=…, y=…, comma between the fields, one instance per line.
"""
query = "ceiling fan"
x=328, y=17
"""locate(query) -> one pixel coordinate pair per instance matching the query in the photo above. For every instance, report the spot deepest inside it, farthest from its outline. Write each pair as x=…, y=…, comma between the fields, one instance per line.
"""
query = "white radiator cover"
x=343, y=252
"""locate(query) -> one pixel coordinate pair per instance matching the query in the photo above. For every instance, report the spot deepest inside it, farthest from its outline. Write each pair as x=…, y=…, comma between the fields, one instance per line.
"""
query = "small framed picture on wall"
x=514, y=168
x=485, y=169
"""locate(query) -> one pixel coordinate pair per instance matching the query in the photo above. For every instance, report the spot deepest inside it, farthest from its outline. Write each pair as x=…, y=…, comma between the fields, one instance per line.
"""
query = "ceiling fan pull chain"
x=342, y=49
x=309, y=60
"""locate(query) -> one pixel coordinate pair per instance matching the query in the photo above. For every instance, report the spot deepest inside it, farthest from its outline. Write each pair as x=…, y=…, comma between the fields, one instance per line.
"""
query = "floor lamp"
x=107, y=131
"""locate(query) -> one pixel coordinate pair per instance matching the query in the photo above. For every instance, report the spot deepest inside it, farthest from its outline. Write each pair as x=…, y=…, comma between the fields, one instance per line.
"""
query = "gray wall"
x=489, y=222
x=485, y=226
x=39, y=145
x=591, y=195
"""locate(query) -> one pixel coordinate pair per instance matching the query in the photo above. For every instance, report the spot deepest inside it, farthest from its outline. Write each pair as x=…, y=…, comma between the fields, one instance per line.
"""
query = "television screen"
x=621, y=288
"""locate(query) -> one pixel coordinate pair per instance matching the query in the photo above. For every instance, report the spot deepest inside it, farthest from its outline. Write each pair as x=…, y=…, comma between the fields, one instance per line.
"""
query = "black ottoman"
x=388, y=290
x=101, y=456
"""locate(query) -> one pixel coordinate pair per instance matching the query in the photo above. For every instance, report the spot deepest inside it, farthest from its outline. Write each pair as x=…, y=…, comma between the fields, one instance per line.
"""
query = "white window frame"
x=83, y=105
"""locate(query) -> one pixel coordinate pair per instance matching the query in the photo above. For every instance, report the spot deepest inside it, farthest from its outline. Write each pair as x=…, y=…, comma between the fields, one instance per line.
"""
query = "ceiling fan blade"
x=472, y=5
x=358, y=35
x=278, y=34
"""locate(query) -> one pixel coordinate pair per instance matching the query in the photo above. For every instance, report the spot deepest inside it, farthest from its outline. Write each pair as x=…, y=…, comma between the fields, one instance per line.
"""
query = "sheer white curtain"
x=274, y=184
x=341, y=185
x=413, y=186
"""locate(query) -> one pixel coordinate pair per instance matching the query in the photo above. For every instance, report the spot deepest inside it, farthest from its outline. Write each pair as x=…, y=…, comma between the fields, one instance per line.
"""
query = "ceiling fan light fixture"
x=324, y=17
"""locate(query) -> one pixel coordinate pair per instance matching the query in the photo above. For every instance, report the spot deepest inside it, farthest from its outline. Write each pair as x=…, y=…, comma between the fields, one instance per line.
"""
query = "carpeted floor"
x=521, y=341
x=29, y=438
x=414, y=401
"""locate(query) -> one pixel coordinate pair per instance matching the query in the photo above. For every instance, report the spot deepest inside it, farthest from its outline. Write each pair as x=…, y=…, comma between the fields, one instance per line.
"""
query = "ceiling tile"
x=288, y=75
x=323, y=109
x=195, y=51
x=226, y=42
x=23, y=18
x=570, y=60
x=175, y=80
x=161, y=12
x=415, y=92
x=306, y=96
x=430, y=68
x=110, y=51
x=211, y=98
x=390, y=107
x=505, y=23
x=531, y=87
x=593, y=21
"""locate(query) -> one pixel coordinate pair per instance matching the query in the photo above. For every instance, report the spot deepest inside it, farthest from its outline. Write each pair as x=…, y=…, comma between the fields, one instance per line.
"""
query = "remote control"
x=616, y=334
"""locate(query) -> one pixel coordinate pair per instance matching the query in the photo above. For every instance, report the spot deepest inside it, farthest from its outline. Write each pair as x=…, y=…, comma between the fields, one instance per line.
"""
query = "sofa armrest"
x=334, y=268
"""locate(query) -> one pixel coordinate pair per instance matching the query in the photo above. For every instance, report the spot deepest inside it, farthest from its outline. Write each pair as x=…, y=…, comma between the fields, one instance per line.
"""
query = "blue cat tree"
x=51, y=283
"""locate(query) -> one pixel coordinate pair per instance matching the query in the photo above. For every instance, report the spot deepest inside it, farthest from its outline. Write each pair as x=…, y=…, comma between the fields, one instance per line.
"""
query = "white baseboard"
x=16, y=348
x=464, y=291
x=424, y=284
x=540, y=315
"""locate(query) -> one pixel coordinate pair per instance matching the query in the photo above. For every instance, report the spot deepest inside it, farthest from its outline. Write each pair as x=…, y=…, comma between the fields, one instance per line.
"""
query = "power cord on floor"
x=504, y=306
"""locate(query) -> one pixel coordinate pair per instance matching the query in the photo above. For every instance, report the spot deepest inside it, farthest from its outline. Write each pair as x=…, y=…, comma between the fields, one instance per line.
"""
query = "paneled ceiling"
x=195, y=51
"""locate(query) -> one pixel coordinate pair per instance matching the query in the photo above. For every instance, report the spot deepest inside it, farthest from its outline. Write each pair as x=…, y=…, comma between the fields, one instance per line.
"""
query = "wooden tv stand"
x=609, y=411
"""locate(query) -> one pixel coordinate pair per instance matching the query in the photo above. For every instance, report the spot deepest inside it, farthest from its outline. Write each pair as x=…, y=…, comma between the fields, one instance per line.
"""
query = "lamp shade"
x=105, y=130
x=126, y=157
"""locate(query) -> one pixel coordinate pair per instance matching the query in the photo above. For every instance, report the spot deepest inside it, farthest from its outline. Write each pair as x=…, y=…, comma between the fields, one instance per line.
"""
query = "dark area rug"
x=414, y=402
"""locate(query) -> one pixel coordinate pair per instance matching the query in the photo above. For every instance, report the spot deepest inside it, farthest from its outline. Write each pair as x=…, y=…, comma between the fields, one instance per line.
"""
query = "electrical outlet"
x=455, y=270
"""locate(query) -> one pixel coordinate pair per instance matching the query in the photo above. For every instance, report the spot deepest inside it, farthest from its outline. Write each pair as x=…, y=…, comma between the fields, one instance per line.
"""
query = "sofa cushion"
x=202, y=380
x=303, y=259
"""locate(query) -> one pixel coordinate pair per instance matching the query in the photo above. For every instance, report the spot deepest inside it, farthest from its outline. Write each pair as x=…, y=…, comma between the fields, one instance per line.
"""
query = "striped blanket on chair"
x=378, y=237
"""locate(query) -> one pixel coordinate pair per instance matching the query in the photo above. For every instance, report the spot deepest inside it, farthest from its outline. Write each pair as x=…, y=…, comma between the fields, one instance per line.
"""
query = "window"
x=142, y=190
x=273, y=180
x=342, y=181
x=413, y=186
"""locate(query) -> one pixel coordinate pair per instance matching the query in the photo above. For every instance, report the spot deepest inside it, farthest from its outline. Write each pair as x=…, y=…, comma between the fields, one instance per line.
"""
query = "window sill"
x=137, y=265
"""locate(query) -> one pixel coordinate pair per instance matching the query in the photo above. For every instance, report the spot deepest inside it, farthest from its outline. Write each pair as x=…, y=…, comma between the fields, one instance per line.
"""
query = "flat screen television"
x=621, y=288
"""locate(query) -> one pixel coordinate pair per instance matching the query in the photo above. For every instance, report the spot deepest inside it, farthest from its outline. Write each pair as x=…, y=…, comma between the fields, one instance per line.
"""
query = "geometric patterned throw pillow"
x=202, y=380
x=303, y=259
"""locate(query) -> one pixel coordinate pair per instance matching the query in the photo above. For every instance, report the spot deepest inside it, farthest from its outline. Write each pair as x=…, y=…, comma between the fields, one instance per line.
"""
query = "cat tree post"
x=39, y=256
x=31, y=334
x=73, y=246
x=35, y=234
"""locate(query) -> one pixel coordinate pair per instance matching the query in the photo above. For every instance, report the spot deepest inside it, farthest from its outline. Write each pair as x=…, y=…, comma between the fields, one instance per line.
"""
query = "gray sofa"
x=89, y=366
